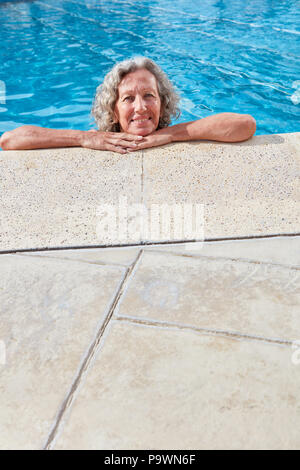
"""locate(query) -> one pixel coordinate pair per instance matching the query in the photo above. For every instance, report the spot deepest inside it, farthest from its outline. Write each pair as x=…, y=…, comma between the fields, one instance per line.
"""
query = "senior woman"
x=133, y=108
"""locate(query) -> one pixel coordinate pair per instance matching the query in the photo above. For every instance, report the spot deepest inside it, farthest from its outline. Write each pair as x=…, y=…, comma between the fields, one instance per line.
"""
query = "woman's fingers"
x=124, y=136
x=123, y=143
x=113, y=141
x=119, y=149
x=124, y=140
x=121, y=139
x=115, y=148
x=144, y=144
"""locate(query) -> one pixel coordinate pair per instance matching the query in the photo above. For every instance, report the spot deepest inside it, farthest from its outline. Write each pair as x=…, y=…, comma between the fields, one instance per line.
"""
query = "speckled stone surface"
x=58, y=197
x=51, y=198
x=178, y=346
x=246, y=188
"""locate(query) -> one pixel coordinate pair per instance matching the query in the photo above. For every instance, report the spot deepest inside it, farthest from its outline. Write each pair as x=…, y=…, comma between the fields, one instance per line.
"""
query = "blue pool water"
x=232, y=55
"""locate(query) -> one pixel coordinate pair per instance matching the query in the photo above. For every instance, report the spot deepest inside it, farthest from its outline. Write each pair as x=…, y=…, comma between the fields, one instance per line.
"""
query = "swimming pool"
x=222, y=56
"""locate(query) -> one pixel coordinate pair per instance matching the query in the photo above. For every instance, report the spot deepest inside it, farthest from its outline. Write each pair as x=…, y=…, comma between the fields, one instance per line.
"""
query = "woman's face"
x=138, y=107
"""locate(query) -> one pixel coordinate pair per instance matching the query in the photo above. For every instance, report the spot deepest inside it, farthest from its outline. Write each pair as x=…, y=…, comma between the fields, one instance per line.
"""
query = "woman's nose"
x=139, y=103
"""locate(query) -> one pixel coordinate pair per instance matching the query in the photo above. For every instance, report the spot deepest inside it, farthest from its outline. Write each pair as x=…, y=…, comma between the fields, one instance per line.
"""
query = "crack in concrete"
x=78, y=260
x=145, y=243
x=225, y=258
x=294, y=267
x=92, y=351
x=180, y=326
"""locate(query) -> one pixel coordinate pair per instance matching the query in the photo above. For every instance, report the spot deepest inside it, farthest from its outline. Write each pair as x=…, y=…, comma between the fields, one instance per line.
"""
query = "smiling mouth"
x=141, y=120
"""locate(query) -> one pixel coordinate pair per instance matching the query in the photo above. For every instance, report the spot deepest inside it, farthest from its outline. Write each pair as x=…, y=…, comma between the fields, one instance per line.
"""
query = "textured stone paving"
x=60, y=197
x=164, y=346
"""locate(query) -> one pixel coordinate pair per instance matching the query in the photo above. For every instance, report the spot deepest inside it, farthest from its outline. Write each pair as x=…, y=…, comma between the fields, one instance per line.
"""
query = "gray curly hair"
x=107, y=94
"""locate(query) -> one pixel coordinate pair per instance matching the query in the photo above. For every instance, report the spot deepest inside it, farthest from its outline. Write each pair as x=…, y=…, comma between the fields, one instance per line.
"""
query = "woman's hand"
x=119, y=142
x=157, y=138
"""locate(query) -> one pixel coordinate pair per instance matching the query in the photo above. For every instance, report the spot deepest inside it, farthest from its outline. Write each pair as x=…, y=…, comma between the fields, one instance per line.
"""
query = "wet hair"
x=107, y=94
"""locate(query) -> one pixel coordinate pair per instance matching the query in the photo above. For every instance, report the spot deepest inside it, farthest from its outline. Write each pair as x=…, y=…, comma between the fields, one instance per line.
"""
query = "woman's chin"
x=140, y=130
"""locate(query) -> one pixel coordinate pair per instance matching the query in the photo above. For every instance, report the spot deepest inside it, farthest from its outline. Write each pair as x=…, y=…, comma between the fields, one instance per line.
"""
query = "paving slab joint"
x=179, y=326
x=294, y=267
x=92, y=351
x=147, y=243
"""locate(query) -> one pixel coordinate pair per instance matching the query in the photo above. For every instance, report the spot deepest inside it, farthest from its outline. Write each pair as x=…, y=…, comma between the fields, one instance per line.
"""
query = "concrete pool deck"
x=166, y=343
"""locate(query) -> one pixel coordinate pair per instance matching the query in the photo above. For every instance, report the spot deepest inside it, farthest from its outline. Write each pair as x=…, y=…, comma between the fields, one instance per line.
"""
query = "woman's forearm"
x=224, y=127
x=34, y=137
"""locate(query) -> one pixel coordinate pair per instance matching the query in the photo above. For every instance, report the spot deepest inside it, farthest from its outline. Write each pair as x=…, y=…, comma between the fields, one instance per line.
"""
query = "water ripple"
x=55, y=53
